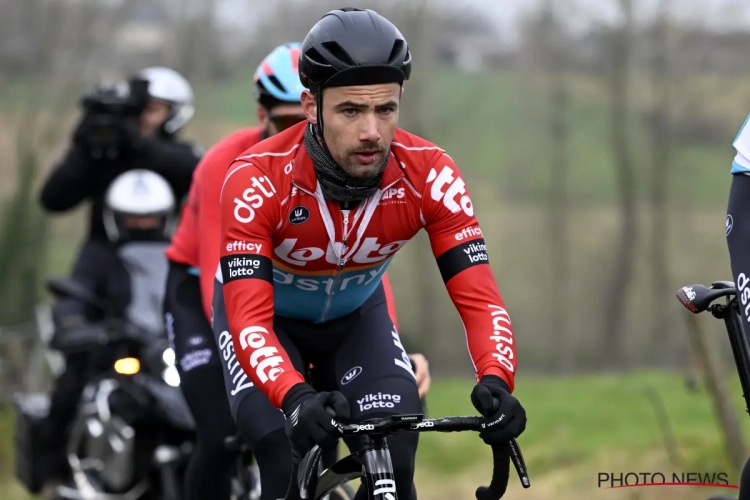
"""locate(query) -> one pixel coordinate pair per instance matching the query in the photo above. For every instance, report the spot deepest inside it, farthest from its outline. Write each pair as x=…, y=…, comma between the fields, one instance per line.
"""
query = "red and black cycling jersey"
x=196, y=240
x=287, y=250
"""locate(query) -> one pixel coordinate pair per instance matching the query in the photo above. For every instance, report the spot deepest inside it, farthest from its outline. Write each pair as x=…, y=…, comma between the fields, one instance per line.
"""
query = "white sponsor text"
x=503, y=336
x=456, y=186
x=468, y=232
x=370, y=252
x=244, y=246
x=377, y=401
x=239, y=377
x=263, y=357
x=244, y=209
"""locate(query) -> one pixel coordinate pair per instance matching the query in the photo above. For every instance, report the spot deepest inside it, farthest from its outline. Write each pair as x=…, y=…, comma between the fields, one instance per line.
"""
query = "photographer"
x=125, y=127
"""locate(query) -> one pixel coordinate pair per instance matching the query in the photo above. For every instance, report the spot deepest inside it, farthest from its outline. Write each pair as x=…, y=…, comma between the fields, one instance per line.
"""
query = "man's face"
x=358, y=124
x=153, y=117
x=142, y=222
x=280, y=117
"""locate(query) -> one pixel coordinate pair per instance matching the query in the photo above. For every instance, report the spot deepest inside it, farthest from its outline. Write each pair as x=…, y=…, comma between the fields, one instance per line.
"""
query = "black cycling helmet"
x=353, y=47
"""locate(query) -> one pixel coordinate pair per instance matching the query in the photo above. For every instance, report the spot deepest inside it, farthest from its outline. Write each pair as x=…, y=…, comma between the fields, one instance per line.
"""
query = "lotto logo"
x=369, y=252
x=453, y=187
x=263, y=357
x=244, y=209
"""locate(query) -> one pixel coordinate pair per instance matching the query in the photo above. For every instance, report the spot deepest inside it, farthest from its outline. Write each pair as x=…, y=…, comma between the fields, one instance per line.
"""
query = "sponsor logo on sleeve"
x=240, y=381
x=244, y=246
x=264, y=359
x=468, y=233
x=245, y=266
x=244, y=209
x=502, y=335
x=451, y=190
x=462, y=256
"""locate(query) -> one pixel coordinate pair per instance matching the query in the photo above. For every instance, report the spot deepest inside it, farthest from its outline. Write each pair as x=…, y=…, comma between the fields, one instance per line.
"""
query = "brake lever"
x=519, y=463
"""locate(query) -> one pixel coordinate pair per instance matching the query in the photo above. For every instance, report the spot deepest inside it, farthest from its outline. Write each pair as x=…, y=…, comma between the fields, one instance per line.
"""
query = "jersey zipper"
x=342, y=261
x=344, y=245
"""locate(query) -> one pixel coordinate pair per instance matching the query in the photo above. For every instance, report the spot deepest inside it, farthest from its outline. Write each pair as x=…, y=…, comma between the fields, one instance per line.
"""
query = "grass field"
x=577, y=427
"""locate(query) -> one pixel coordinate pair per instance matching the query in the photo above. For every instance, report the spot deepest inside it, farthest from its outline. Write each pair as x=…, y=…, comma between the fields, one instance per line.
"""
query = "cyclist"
x=311, y=218
x=194, y=255
x=738, y=240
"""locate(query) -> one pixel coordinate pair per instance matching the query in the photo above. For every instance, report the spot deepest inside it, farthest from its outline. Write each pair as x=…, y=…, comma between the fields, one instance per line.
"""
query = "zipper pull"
x=344, y=234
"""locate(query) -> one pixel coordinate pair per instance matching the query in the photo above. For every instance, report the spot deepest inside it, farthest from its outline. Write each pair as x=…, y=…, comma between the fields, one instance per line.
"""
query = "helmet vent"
x=398, y=46
x=276, y=83
x=315, y=56
x=338, y=52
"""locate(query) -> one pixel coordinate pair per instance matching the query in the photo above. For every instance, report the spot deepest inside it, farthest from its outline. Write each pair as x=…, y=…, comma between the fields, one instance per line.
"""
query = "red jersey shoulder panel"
x=274, y=157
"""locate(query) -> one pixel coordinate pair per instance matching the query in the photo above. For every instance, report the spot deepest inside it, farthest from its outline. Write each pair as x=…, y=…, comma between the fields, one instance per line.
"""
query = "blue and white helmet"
x=277, y=77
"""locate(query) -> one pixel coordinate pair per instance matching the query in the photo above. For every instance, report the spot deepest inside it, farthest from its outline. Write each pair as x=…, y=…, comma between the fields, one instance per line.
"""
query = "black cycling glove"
x=312, y=418
x=506, y=417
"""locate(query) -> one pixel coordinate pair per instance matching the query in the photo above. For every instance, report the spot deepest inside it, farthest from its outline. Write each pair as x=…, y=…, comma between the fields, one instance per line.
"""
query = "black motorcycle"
x=133, y=432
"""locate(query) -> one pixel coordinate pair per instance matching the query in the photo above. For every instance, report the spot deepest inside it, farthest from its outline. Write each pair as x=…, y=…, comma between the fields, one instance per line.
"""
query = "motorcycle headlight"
x=127, y=366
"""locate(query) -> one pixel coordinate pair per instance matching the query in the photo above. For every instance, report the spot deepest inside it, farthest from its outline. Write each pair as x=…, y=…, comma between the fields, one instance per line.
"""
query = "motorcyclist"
x=194, y=255
x=128, y=274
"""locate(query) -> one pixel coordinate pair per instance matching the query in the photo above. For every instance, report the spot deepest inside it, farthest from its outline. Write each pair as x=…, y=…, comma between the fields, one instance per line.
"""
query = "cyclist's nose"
x=368, y=131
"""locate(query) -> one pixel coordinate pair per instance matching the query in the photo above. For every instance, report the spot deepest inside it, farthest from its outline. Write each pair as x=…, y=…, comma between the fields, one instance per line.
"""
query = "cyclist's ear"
x=309, y=103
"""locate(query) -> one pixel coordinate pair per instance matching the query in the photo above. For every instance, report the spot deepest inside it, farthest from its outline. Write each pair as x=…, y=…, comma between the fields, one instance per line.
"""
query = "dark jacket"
x=78, y=177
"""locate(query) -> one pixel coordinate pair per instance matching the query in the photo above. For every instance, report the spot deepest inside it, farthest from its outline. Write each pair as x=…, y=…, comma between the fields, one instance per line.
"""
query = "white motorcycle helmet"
x=139, y=205
x=171, y=87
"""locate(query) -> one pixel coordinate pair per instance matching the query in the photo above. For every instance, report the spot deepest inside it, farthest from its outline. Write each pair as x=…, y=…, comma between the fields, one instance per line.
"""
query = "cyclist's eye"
x=386, y=111
x=350, y=112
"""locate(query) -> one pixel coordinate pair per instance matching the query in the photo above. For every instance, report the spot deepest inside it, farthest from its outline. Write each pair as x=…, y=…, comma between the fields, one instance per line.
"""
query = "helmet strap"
x=319, y=125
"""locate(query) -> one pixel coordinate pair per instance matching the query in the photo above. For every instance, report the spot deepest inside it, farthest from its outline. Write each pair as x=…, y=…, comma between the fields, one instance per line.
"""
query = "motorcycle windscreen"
x=147, y=266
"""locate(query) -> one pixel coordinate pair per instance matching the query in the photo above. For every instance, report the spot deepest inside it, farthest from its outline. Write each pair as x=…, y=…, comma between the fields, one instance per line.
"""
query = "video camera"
x=110, y=123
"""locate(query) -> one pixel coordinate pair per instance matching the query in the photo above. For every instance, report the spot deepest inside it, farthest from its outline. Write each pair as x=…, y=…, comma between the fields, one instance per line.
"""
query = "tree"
x=554, y=58
x=621, y=275
x=37, y=104
x=660, y=135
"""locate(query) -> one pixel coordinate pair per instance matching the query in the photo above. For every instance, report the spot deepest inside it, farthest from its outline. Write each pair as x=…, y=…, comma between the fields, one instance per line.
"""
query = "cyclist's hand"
x=421, y=372
x=506, y=417
x=312, y=418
